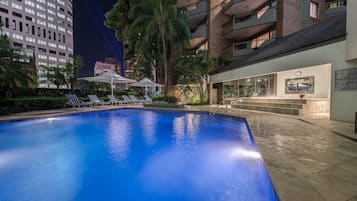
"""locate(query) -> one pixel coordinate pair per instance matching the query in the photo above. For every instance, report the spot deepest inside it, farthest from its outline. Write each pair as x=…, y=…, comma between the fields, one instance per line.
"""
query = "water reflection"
x=186, y=129
x=119, y=131
x=149, y=127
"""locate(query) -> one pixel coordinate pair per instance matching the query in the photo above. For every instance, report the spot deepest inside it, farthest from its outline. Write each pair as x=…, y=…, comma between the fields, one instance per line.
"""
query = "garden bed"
x=164, y=105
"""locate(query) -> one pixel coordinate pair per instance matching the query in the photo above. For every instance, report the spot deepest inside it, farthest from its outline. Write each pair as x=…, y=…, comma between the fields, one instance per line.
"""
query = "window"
x=38, y=31
x=16, y=14
x=44, y=33
x=14, y=21
x=29, y=18
x=27, y=28
x=7, y=22
x=52, y=52
x=314, y=10
x=33, y=29
x=18, y=45
x=4, y=10
x=20, y=26
x=40, y=49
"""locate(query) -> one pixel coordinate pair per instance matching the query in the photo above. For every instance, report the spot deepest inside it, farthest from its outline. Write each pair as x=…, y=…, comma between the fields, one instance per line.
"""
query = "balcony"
x=241, y=8
x=237, y=50
x=242, y=30
x=199, y=36
x=198, y=13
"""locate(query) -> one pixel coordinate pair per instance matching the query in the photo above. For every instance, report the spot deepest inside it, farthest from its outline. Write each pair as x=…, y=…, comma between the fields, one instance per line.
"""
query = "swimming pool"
x=132, y=155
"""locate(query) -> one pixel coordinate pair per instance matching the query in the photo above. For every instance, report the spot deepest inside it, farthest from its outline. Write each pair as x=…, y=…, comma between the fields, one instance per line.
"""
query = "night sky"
x=92, y=40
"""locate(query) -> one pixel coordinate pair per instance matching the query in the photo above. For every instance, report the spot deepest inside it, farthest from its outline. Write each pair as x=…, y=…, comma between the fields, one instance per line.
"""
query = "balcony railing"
x=200, y=32
x=241, y=8
x=200, y=7
x=237, y=50
x=260, y=18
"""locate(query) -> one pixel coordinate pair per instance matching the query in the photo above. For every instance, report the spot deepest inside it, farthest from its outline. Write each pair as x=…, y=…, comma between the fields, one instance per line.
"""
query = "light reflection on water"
x=119, y=131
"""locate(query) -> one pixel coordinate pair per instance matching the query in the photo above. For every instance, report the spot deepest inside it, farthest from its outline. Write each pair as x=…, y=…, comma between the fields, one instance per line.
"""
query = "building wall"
x=49, y=16
x=216, y=20
x=343, y=103
x=289, y=17
x=321, y=73
x=351, y=30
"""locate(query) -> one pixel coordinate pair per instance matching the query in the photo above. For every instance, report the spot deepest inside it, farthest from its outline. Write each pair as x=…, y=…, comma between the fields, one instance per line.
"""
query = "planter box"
x=164, y=105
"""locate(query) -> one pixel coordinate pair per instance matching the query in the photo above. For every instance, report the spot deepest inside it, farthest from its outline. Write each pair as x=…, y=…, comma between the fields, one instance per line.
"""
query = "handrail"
x=217, y=107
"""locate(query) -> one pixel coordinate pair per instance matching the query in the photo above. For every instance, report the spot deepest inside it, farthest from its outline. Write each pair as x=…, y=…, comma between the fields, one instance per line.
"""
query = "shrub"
x=30, y=104
x=166, y=99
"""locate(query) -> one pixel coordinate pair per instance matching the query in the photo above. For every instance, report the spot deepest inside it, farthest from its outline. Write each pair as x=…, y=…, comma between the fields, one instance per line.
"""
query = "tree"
x=193, y=69
x=72, y=70
x=56, y=76
x=17, y=69
x=153, y=28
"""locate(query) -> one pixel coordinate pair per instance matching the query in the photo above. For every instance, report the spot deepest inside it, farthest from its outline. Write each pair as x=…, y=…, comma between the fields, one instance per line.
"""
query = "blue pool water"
x=131, y=155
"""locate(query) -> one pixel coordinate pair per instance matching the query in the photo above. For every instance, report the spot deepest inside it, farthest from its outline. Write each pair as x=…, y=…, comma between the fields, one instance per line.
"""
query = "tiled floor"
x=306, y=159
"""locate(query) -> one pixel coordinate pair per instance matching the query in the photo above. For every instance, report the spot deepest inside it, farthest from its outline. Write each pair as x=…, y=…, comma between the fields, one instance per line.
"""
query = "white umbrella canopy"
x=146, y=83
x=110, y=77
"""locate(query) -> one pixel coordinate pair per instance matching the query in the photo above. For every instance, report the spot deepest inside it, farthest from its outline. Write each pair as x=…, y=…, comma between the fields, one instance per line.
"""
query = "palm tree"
x=72, y=69
x=161, y=25
x=16, y=68
x=56, y=76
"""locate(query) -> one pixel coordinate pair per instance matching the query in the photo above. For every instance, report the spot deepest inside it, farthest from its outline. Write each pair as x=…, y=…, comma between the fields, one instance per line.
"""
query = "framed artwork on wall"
x=301, y=85
x=346, y=79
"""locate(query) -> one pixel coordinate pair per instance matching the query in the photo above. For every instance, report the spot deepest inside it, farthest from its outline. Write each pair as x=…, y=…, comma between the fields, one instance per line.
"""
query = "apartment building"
x=235, y=28
x=101, y=67
x=44, y=27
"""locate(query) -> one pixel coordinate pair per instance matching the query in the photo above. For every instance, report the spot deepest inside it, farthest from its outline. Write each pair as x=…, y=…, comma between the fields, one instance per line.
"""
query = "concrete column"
x=351, y=29
x=210, y=93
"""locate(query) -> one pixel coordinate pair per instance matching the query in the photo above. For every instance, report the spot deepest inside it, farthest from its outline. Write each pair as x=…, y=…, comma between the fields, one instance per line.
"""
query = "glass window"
x=230, y=89
x=314, y=10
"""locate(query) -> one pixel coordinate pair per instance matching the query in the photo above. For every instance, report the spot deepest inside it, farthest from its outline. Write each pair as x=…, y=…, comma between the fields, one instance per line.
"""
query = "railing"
x=268, y=16
x=224, y=101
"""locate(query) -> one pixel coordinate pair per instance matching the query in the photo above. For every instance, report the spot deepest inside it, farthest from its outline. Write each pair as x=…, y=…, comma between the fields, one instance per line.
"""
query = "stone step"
x=268, y=100
x=280, y=110
x=280, y=105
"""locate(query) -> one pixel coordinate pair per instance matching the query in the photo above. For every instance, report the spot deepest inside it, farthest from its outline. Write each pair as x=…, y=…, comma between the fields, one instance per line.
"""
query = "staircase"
x=282, y=106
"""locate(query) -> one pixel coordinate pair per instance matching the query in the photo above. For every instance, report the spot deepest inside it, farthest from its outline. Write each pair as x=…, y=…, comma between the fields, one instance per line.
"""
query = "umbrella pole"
x=111, y=85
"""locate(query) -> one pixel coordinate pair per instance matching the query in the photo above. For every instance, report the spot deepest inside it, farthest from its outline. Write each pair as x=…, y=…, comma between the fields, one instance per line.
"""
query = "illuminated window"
x=314, y=10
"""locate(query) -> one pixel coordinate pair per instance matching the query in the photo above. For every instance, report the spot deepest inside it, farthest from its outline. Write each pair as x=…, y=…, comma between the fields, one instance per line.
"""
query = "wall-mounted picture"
x=346, y=79
x=301, y=85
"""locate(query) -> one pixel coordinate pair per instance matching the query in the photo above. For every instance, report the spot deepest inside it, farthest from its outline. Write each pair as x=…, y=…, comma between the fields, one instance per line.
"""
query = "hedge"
x=16, y=105
x=167, y=99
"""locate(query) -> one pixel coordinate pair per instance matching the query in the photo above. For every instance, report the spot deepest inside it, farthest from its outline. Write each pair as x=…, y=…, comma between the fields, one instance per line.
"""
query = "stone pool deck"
x=309, y=158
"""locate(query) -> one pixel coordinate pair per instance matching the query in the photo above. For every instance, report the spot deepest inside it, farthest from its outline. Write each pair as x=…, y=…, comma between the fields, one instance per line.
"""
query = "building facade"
x=316, y=65
x=235, y=28
x=101, y=67
x=44, y=27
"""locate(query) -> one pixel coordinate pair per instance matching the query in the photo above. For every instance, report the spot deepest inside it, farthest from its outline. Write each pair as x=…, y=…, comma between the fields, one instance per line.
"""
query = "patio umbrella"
x=110, y=77
x=146, y=83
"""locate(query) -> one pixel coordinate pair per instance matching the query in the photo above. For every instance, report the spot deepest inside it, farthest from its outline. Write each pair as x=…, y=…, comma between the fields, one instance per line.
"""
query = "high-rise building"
x=235, y=28
x=43, y=26
x=115, y=62
x=100, y=67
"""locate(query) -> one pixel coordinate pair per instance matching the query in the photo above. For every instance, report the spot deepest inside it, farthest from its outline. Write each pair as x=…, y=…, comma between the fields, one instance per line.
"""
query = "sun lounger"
x=147, y=99
x=136, y=100
x=73, y=101
x=127, y=99
x=96, y=101
x=114, y=100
